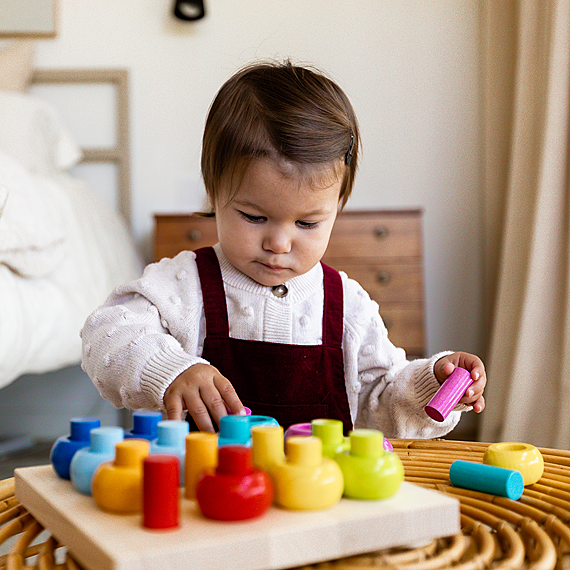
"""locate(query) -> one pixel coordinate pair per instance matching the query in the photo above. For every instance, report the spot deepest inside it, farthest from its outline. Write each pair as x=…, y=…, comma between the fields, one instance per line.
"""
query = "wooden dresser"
x=381, y=249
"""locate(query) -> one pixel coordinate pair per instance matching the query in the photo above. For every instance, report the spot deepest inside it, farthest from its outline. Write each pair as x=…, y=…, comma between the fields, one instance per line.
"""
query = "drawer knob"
x=383, y=277
x=194, y=235
x=381, y=231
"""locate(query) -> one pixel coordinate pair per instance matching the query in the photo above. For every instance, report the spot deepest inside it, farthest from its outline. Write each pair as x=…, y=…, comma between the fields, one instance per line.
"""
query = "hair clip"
x=348, y=155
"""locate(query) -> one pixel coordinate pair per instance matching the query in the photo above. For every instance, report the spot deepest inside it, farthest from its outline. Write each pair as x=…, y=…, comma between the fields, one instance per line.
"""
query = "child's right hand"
x=202, y=390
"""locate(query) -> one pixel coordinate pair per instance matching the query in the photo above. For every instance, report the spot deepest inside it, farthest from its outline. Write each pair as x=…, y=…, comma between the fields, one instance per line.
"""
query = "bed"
x=62, y=247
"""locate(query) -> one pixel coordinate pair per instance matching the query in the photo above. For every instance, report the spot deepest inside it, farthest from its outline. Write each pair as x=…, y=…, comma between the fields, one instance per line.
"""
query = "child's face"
x=277, y=227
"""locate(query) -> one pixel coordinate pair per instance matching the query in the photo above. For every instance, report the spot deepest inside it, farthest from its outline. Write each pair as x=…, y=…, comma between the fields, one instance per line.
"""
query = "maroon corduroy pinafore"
x=291, y=383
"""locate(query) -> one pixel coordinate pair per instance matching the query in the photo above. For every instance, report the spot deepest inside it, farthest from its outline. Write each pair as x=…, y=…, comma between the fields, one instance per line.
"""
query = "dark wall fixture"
x=189, y=10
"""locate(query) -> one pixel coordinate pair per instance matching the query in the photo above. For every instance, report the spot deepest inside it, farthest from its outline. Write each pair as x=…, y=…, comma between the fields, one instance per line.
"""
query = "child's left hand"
x=474, y=395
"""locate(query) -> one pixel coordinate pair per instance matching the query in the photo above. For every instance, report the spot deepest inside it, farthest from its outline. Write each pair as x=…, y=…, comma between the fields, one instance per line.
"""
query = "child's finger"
x=475, y=391
x=472, y=363
x=479, y=405
x=214, y=402
x=228, y=393
x=447, y=364
x=174, y=407
x=448, y=368
x=199, y=412
x=478, y=375
x=472, y=394
x=443, y=368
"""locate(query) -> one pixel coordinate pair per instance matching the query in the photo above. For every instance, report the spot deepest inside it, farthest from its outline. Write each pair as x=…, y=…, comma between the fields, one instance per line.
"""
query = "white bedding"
x=62, y=251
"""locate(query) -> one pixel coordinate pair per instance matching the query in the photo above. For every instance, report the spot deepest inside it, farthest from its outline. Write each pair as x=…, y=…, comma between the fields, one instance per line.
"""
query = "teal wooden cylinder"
x=487, y=479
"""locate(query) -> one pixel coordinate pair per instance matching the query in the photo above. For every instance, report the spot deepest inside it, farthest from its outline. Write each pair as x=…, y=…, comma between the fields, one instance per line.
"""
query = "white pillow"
x=31, y=132
x=32, y=239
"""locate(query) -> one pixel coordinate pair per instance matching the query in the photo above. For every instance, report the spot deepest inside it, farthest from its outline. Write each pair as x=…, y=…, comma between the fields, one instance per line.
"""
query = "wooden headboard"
x=117, y=153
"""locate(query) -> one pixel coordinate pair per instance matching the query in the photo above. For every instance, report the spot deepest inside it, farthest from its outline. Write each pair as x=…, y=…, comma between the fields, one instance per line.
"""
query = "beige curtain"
x=527, y=205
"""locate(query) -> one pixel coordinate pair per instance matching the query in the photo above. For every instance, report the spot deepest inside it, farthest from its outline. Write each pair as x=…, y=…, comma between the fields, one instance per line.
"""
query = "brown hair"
x=282, y=112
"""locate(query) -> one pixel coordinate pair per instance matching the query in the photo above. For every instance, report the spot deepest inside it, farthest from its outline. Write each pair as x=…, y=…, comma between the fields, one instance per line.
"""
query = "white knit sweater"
x=152, y=329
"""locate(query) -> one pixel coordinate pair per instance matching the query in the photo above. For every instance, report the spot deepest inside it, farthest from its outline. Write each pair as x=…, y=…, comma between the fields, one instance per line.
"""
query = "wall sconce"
x=189, y=10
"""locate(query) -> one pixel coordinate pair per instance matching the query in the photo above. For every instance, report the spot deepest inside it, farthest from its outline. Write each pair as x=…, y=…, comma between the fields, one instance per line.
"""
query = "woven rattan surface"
x=533, y=532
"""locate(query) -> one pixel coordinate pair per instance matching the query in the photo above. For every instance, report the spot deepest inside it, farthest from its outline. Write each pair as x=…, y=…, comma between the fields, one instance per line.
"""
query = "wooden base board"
x=279, y=539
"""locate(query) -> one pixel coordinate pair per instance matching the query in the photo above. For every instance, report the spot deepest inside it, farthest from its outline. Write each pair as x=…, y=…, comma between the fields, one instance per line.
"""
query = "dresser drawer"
x=174, y=234
x=405, y=328
x=372, y=235
x=388, y=282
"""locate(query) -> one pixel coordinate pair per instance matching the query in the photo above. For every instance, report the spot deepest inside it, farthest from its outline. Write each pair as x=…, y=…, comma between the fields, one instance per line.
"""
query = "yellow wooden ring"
x=521, y=457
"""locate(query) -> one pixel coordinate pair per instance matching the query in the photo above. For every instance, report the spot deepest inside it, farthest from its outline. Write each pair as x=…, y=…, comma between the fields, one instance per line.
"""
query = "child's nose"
x=277, y=241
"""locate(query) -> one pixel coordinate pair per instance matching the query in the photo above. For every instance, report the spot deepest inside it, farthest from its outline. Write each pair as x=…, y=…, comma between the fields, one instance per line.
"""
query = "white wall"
x=411, y=68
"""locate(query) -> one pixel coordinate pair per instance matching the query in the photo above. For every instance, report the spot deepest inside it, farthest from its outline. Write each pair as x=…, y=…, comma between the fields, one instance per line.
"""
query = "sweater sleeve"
x=385, y=390
x=147, y=333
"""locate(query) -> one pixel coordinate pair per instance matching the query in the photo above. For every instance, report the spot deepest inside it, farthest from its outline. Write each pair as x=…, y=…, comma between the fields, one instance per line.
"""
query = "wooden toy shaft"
x=451, y=391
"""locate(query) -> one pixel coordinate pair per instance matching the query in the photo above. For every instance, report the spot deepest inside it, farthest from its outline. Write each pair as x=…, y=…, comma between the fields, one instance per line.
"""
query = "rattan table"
x=533, y=532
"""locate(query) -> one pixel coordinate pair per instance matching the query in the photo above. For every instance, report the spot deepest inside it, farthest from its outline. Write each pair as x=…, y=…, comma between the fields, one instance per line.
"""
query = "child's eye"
x=253, y=219
x=307, y=225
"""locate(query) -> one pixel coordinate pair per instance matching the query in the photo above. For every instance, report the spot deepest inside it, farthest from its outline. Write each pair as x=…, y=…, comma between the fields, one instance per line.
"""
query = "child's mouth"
x=273, y=267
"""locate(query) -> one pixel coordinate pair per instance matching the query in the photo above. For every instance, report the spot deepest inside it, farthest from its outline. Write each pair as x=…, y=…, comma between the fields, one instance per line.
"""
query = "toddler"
x=258, y=320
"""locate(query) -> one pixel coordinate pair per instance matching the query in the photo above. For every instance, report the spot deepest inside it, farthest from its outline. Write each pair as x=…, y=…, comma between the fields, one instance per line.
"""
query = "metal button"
x=279, y=290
